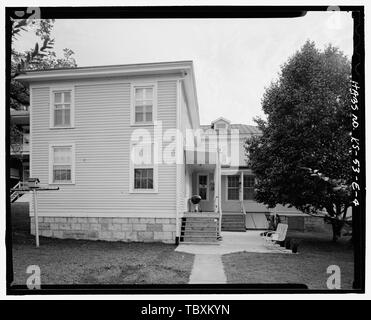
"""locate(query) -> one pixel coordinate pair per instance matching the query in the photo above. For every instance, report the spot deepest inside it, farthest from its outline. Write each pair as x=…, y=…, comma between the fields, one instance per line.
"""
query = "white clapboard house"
x=125, y=146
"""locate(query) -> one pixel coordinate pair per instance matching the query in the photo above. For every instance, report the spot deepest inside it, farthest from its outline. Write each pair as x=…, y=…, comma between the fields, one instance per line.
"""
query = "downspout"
x=178, y=125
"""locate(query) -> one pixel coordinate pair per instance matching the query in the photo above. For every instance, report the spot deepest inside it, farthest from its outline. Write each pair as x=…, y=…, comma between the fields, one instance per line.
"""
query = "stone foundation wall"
x=109, y=229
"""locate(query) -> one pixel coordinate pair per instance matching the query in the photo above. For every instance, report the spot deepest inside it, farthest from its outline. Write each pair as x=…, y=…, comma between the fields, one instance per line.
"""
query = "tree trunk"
x=337, y=225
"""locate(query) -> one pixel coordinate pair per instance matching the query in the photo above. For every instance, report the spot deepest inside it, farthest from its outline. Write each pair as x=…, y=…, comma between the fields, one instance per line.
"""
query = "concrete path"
x=207, y=268
x=249, y=241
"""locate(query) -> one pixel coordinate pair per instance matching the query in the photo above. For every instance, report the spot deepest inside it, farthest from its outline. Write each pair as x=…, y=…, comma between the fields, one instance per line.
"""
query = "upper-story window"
x=62, y=107
x=144, y=104
x=219, y=126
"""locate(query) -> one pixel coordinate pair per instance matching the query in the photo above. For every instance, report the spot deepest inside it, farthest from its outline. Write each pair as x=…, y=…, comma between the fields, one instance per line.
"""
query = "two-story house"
x=124, y=145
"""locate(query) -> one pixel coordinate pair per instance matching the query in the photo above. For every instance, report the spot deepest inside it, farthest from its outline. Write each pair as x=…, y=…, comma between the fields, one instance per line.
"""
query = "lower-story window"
x=233, y=188
x=248, y=187
x=62, y=164
x=143, y=178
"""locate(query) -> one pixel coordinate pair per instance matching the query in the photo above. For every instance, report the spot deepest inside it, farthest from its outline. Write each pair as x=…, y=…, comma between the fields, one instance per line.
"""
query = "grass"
x=99, y=262
x=315, y=253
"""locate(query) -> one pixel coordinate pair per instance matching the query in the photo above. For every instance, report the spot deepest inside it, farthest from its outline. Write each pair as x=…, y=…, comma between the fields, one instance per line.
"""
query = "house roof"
x=243, y=128
x=106, y=71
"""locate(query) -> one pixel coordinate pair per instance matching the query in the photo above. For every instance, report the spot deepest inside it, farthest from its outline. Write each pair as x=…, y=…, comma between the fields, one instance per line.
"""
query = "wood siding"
x=102, y=144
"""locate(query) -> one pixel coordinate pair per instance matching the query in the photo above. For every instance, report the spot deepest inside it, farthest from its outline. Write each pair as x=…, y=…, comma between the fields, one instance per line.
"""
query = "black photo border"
x=201, y=12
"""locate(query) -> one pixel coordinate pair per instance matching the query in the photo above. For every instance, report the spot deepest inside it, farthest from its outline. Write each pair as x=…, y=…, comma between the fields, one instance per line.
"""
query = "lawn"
x=316, y=253
x=99, y=262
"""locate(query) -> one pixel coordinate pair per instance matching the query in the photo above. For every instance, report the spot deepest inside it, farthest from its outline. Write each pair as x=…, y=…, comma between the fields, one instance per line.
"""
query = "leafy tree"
x=303, y=157
x=41, y=56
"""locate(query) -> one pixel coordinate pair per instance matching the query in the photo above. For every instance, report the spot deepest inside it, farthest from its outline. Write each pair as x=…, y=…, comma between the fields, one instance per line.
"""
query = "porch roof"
x=200, y=157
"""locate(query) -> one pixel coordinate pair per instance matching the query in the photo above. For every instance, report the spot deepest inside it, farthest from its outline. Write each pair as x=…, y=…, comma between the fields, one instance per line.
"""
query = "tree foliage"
x=40, y=57
x=303, y=157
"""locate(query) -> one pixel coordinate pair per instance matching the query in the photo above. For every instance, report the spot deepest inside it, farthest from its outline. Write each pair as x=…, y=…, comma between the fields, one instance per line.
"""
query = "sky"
x=234, y=59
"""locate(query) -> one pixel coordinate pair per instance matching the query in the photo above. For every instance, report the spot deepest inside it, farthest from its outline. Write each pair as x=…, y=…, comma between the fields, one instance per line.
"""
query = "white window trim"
x=73, y=165
x=72, y=107
x=226, y=188
x=207, y=185
x=251, y=200
x=133, y=166
x=132, y=103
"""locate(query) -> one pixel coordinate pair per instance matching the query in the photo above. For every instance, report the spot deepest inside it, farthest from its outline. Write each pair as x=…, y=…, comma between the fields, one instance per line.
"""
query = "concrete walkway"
x=249, y=241
x=208, y=265
x=207, y=268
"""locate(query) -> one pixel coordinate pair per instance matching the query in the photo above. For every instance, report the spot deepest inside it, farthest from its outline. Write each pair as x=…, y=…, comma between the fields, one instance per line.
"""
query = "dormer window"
x=220, y=124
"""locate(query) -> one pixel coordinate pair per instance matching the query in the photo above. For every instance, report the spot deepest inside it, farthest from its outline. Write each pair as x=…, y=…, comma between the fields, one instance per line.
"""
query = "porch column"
x=219, y=178
x=241, y=190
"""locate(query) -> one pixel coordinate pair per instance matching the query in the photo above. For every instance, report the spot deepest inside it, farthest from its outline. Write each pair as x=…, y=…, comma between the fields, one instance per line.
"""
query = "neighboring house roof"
x=243, y=128
x=220, y=119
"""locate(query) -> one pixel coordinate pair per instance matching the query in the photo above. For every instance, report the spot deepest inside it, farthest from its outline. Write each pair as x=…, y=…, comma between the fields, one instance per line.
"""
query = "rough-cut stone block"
x=57, y=234
x=105, y=235
x=162, y=220
x=75, y=234
x=103, y=220
x=54, y=226
x=82, y=220
x=114, y=227
x=126, y=227
x=93, y=220
x=104, y=226
x=118, y=235
x=159, y=235
x=85, y=226
x=60, y=220
x=46, y=233
x=76, y=226
x=93, y=234
x=145, y=235
x=49, y=219
x=134, y=220
x=95, y=227
x=119, y=220
x=44, y=226
x=64, y=226
x=131, y=236
x=154, y=227
x=139, y=227
x=147, y=220
x=169, y=227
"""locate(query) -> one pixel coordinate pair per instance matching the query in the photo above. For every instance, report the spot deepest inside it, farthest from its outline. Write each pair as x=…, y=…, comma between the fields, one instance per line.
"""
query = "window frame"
x=244, y=187
x=133, y=166
x=53, y=90
x=51, y=163
x=143, y=85
x=238, y=187
x=200, y=174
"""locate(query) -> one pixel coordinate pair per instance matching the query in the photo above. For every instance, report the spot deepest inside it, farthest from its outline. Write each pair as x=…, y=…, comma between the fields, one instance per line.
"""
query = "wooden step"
x=200, y=228
x=199, y=239
x=201, y=233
